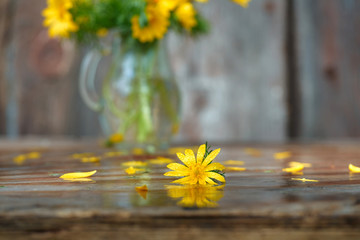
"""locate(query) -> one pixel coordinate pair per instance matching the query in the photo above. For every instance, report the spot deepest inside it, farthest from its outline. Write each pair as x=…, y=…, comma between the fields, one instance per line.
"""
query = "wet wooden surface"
x=261, y=202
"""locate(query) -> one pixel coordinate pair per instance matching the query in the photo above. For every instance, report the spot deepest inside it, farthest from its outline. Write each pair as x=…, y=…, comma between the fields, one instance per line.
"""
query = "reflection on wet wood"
x=262, y=201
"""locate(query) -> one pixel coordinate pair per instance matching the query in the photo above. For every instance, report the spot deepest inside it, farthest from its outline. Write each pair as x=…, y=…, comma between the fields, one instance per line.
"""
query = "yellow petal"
x=210, y=181
x=239, y=169
x=20, y=159
x=185, y=159
x=184, y=180
x=216, y=176
x=297, y=168
x=134, y=164
x=177, y=167
x=304, y=180
x=176, y=174
x=138, y=151
x=201, y=153
x=211, y=157
x=33, y=155
x=214, y=166
x=282, y=155
x=90, y=159
x=131, y=170
x=190, y=154
x=294, y=164
x=354, y=169
x=78, y=174
x=161, y=160
x=79, y=179
x=233, y=162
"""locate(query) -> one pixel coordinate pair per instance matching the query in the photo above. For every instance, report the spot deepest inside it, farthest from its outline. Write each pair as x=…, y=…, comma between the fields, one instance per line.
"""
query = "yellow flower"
x=197, y=171
x=58, y=18
x=134, y=164
x=239, y=169
x=196, y=196
x=243, y=3
x=186, y=15
x=158, y=23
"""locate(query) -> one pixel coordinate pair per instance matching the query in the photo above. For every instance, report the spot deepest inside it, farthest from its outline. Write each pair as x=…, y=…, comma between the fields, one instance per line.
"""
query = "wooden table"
x=262, y=202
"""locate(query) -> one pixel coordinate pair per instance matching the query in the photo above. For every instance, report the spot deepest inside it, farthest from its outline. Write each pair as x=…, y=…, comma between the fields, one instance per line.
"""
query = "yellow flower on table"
x=59, y=19
x=197, y=171
x=158, y=23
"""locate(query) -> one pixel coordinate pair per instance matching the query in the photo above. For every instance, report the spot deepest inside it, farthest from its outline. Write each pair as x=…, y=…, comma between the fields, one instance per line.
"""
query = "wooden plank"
x=46, y=79
x=261, y=201
x=233, y=80
x=328, y=67
x=4, y=28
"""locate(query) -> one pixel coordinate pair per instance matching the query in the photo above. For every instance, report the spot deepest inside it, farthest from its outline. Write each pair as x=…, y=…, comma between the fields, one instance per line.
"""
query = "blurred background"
x=279, y=70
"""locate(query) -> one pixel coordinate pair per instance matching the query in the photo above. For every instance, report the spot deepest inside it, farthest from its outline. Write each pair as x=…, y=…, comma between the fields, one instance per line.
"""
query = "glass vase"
x=139, y=99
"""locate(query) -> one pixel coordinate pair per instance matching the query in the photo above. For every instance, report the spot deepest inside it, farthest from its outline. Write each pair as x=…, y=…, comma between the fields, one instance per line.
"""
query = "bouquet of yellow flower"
x=139, y=102
x=143, y=20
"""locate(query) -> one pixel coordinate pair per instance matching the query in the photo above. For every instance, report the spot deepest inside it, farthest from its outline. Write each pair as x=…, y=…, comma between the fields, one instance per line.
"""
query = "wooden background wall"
x=277, y=70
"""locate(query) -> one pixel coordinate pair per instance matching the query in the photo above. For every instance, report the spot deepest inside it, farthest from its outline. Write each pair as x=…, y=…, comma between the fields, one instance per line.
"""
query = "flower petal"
x=78, y=174
x=184, y=159
x=177, y=167
x=184, y=180
x=214, y=166
x=190, y=154
x=210, y=181
x=216, y=176
x=176, y=174
x=201, y=153
x=211, y=157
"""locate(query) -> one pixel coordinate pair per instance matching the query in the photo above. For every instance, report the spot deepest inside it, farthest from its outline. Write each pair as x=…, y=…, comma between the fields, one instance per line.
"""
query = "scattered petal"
x=161, y=161
x=282, y=155
x=113, y=154
x=294, y=164
x=253, y=152
x=33, y=155
x=20, y=159
x=354, y=169
x=78, y=174
x=79, y=179
x=304, y=180
x=134, y=164
x=239, y=169
x=138, y=151
x=234, y=162
x=90, y=159
x=131, y=170
x=297, y=168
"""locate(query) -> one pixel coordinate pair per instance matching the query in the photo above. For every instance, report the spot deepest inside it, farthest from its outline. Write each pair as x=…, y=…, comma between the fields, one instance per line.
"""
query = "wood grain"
x=233, y=80
x=328, y=60
x=259, y=202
